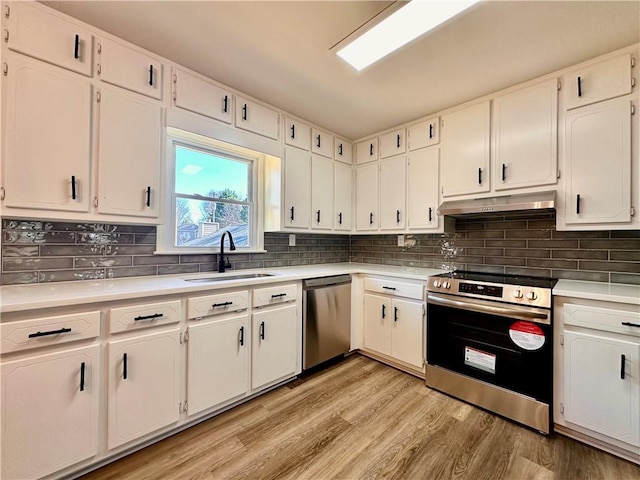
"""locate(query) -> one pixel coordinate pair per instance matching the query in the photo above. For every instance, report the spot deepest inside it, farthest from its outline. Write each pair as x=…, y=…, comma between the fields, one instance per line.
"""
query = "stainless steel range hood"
x=505, y=203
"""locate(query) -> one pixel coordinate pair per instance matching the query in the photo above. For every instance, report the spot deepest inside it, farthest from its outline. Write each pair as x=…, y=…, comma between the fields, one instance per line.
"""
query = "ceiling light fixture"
x=404, y=25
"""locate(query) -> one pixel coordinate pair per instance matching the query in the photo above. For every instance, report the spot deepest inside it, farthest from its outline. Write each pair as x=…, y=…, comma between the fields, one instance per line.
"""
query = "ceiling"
x=279, y=51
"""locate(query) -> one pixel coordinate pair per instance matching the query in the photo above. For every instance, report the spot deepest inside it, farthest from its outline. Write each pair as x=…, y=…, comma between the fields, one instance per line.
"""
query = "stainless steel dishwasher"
x=326, y=331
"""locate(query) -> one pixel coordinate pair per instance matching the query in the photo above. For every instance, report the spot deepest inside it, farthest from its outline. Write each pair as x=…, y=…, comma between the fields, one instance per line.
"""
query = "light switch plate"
x=401, y=240
x=292, y=239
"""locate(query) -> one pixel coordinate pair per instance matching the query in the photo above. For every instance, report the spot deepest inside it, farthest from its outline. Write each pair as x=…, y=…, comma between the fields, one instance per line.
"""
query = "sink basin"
x=226, y=278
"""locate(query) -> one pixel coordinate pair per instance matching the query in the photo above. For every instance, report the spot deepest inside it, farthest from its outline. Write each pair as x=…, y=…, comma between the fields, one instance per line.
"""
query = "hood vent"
x=505, y=203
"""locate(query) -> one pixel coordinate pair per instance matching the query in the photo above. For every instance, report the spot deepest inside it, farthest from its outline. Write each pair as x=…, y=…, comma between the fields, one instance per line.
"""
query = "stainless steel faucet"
x=222, y=265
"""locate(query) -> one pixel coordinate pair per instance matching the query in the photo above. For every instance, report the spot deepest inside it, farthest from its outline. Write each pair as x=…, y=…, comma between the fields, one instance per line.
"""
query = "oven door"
x=505, y=345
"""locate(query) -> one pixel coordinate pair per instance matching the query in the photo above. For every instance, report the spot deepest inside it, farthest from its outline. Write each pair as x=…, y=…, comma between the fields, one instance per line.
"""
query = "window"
x=213, y=187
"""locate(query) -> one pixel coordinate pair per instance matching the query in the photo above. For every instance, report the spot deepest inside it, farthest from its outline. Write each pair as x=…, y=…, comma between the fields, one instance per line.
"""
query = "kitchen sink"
x=225, y=278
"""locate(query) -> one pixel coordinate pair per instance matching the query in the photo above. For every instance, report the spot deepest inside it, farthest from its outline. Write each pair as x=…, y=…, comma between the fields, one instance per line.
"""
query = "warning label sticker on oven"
x=527, y=335
x=479, y=359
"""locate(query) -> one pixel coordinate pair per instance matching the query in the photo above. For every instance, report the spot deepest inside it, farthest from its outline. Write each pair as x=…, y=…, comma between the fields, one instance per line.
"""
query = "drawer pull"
x=622, y=361
x=148, y=317
x=244, y=112
x=151, y=75
x=395, y=314
x=293, y=131
x=431, y=130
x=389, y=288
x=384, y=311
x=225, y=104
x=579, y=86
x=82, y=367
x=279, y=295
x=50, y=332
x=340, y=149
x=318, y=143
x=148, y=202
x=124, y=366
x=241, y=340
x=73, y=187
x=262, y=330
x=225, y=304
x=76, y=48
x=629, y=324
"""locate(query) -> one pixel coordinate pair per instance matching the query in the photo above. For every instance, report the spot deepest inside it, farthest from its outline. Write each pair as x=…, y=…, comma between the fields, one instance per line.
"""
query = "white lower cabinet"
x=217, y=361
x=49, y=411
x=144, y=378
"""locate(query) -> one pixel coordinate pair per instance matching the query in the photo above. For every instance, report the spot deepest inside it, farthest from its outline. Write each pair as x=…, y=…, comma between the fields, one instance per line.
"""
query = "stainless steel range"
x=489, y=341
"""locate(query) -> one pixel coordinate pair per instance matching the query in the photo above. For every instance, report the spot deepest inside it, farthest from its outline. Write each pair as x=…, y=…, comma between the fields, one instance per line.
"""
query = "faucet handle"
x=227, y=263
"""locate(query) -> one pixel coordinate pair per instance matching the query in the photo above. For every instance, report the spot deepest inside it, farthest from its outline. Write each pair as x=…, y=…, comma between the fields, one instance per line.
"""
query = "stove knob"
x=517, y=293
x=446, y=285
x=532, y=295
x=437, y=283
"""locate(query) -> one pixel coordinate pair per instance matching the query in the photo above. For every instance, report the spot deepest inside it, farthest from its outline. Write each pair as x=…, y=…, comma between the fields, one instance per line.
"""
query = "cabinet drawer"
x=123, y=319
x=217, y=304
x=199, y=96
x=424, y=134
x=605, y=319
x=128, y=68
x=321, y=143
x=273, y=295
x=342, y=151
x=392, y=143
x=39, y=332
x=392, y=287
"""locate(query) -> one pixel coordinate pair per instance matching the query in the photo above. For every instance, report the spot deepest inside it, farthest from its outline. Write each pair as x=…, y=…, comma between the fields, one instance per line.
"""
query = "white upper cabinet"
x=321, y=143
x=524, y=143
x=598, y=163
x=342, y=151
x=367, y=151
x=367, y=197
x=129, y=154
x=599, y=81
x=342, y=199
x=47, y=128
x=198, y=95
x=423, y=167
x=296, y=133
x=465, y=151
x=297, y=188
x=393, y=193
x=393, y=143
x=321, y=192
x=256, y=118
x=122, y=65
x=46, y=36
x=424, y=134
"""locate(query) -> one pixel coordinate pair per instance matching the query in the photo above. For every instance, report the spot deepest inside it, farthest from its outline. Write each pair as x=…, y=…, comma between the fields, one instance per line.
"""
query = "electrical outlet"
x=292, y=239
x=401, y=240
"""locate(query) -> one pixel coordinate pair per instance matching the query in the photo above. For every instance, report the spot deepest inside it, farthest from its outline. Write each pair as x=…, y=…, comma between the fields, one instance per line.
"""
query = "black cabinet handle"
x=225, y=304
x=395, y=314
x=148, y=202
x=629, y=324
x=318, y=216
x=318, y=143
x=293, y=131
x=384, y=310
x=292, y=212
x=262, y=330
x=241, y=336
x=50, y=332
x=225, y=104
x=151, y=75
x=82, y=367
x=371, y=218
x=622, y=362
x=504, y=170
x=340, y=218
x=579, y=86
x=340, y=149
x=371, y=149
x=578, y=204
x=148, y=317
x=389, y=288
x=398, y=141
x=244, y=112
x=73, y=187
x=397, y=216
x=124, y=366
x=279, y=295
x=430, y=214
x=431, y=130
x=479, y=176
x=76, y=48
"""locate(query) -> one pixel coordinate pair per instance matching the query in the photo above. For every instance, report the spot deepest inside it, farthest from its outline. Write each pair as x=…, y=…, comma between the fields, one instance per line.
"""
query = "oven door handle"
x=482, y=307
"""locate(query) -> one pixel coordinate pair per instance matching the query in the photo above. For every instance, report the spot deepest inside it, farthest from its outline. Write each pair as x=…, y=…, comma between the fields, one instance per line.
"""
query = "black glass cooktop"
x=523, y=280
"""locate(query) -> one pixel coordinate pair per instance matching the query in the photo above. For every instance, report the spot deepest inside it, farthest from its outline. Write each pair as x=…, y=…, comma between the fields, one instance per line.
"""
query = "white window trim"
x=166, y=231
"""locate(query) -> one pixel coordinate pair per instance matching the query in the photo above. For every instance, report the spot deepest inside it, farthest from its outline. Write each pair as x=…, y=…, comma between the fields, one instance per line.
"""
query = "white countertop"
x=608, y=292
x=15, y=298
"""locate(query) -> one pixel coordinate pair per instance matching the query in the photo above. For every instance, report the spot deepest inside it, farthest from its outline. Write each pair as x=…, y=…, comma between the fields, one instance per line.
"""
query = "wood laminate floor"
x=361, y=419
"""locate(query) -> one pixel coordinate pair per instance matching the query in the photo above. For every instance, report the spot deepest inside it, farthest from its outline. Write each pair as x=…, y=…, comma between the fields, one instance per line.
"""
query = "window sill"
x=200, y=251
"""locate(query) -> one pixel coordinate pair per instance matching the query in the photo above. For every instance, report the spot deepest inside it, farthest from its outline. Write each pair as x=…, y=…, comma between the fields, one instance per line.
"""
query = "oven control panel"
x=479, y=289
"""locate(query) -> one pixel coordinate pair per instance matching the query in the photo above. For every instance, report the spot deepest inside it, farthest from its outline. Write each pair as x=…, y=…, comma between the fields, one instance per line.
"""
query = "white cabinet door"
x=201, y=96
x=393, y=143
x=342, y=151
x=297, y=188
x=274, y=347
x=598, y=163
x=525, y=132
x=321, y=143
x=296, y=133
x=393, y=193
x=217, y=362
x=343, y=187
x=602, y=385
x=120, y=64
x=367, y=151
x=256, y=118
x=423, y=172
x=42, y=34
x=424, y=134
x=129, y=154
x=465, y=151
x=321, y=192
x=600, y=81
x=378, y=317
x=48, y=137
x=406, y=332
x=144, y=379
x=49, y=412
x=367, y=197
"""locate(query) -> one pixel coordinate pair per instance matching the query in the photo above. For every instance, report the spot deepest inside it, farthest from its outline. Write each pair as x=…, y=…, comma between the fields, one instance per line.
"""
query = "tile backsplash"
x=516, y=243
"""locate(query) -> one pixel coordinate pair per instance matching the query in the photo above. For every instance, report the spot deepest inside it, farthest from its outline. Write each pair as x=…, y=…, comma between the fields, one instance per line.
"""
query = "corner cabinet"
x=393, y=188
x=367, y=197
x=423, y=172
